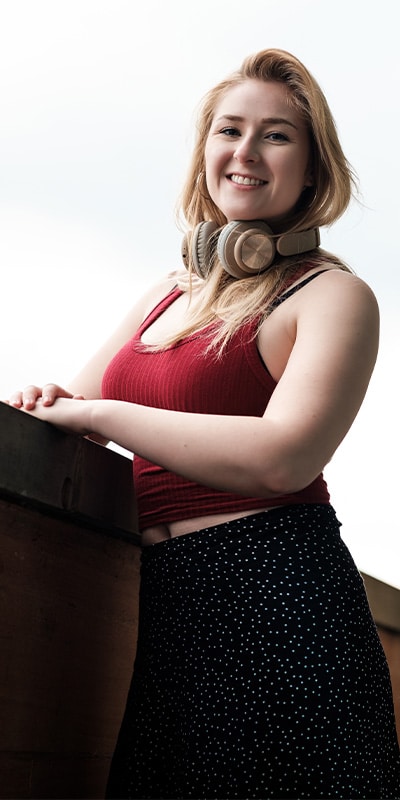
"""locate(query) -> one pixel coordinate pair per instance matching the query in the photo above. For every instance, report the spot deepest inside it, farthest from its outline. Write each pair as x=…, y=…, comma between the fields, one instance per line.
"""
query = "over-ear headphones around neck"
x=243, y=248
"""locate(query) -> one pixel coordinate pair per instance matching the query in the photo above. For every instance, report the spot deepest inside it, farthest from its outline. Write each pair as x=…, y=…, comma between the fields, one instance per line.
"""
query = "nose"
x=246, y=150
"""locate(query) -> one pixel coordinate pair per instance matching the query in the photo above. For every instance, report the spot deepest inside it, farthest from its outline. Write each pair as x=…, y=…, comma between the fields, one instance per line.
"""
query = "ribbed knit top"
x=185, y=378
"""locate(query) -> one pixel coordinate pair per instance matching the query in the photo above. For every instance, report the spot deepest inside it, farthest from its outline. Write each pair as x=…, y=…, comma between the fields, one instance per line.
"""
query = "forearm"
x=256, y=456
x=225, y=452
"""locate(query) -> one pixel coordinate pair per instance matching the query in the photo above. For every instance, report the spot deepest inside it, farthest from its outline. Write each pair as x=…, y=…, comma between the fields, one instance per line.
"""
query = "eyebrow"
x=266, y=120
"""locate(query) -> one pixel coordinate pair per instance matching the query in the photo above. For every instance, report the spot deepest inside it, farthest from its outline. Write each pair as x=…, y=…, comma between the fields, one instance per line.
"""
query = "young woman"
x=259, y=672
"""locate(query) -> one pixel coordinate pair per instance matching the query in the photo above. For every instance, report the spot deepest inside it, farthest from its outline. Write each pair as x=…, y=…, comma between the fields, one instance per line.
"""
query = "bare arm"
x=315, y=402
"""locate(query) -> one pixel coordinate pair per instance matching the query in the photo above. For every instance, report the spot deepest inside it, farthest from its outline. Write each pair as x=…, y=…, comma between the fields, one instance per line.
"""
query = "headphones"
x=243, y=248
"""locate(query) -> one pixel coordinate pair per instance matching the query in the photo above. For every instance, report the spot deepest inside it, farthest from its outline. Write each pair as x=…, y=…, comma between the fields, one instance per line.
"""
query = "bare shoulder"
x=335, y=298
x=337, y=314
x=339, y=280
x=155, y=294
x=143, y=305
x=338, y=291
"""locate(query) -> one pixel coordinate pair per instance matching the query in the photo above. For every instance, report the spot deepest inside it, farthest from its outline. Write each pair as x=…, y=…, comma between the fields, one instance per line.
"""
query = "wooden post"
x=69, y=576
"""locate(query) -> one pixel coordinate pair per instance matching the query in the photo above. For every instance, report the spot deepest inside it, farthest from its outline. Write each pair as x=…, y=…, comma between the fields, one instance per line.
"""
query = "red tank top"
x=185, y=378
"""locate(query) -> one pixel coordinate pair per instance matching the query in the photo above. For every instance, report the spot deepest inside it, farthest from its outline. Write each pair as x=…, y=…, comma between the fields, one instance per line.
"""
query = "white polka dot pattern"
x=259, y=671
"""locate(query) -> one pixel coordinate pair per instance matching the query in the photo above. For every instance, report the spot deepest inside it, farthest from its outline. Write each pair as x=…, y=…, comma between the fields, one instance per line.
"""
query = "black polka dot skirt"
x=259, y=672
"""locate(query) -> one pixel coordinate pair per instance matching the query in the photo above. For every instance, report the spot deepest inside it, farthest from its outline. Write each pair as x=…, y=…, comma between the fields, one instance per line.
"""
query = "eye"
x=277, y=136
x=230, y=131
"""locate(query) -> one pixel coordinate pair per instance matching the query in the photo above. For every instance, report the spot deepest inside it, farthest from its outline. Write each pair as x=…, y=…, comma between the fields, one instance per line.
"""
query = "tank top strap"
x=175, y=292
x=163, y=304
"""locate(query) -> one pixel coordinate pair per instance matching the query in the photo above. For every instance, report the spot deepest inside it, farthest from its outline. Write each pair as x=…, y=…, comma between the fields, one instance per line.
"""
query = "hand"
x=28, y=397
x=69, y=414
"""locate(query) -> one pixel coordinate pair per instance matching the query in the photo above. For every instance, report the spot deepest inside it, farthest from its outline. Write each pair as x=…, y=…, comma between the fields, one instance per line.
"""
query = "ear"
x=309, y=177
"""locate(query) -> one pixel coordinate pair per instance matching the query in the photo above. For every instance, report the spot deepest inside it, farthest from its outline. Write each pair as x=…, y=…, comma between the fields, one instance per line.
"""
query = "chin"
x=243, y=216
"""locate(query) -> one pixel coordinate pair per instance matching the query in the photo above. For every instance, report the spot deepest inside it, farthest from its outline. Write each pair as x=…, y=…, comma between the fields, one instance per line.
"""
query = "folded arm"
x=309, y=413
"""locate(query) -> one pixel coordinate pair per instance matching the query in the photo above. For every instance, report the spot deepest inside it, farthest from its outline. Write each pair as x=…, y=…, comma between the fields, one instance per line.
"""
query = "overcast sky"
x=98, y=99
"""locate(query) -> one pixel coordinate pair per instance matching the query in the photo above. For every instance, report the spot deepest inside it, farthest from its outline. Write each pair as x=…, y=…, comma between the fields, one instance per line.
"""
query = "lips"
x=244, y=180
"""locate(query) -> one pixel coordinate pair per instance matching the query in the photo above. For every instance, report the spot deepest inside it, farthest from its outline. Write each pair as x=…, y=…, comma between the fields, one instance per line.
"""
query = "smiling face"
x=257, y=153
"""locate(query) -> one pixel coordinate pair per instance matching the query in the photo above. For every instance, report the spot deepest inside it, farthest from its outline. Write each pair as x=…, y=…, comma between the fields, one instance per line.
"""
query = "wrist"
x=91, y=417
x=98, y=420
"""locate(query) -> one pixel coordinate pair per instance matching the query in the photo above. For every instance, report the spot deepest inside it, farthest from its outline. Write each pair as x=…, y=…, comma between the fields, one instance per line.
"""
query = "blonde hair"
x=231, y=302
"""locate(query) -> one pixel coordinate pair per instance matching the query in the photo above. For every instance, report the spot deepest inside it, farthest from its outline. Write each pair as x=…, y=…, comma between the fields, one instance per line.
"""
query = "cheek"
x=211, y=189
x=296, y=174
x=209, y=155
x=208, y=166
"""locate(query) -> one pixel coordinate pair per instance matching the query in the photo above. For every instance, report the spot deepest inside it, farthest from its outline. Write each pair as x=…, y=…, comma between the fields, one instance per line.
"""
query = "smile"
x=246, y=181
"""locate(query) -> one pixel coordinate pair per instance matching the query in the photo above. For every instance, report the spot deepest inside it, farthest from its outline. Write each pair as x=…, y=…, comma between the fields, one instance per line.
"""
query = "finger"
x=51, y=391
x=15, y=400
x=29, y=396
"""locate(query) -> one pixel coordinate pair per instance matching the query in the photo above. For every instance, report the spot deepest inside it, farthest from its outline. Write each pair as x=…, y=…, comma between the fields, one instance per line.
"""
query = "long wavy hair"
x=225, y=302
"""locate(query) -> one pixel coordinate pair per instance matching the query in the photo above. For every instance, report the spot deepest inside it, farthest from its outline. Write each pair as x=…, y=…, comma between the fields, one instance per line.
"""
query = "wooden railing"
x=69, y=579
x=384, y=601
x=69, y=576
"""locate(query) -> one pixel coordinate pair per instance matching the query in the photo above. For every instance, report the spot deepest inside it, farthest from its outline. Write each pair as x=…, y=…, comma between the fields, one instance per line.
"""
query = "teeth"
x=246, y=181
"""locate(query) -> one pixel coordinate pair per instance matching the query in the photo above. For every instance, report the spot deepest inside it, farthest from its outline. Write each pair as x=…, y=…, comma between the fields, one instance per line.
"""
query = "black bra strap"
x=294, y=289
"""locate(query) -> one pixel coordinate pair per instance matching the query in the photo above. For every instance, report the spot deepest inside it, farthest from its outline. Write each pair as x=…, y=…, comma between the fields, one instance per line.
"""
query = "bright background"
x=98, y=100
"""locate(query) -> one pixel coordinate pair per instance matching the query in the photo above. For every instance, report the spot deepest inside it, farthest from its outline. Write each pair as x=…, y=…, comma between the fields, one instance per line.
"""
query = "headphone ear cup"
x=243, y=248
x=200, y=247
x=185, y=250
x=246, y=248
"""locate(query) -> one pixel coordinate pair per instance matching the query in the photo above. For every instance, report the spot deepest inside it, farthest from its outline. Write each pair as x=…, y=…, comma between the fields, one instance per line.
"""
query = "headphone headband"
x=301, y=242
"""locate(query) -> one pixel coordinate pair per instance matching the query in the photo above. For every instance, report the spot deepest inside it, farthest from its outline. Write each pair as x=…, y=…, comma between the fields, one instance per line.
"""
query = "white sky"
x=97, y=102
